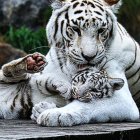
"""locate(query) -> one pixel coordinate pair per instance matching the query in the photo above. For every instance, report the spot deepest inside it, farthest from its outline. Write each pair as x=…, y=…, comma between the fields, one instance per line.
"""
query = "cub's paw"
x=63, y=89
x=58, y=117
x=35, y=62
x=41, y=107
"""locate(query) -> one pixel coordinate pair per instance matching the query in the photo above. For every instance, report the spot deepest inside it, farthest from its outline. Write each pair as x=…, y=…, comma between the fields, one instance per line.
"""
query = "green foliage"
x=28, y=40
x=35, y=40
x=44, y=16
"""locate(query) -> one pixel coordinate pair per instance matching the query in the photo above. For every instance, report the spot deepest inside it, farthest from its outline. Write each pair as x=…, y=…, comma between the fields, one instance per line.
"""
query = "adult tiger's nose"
x=88, y=58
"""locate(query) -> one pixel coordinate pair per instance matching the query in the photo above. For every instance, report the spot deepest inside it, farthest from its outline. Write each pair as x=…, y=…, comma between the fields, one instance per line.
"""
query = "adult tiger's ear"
x=114, y=4
x=111, y=2
x=56, y=4
x=116, y=83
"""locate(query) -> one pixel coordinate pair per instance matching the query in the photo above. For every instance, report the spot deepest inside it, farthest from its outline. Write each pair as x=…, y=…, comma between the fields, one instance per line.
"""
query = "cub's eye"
x=101, y=30
x=75, y=28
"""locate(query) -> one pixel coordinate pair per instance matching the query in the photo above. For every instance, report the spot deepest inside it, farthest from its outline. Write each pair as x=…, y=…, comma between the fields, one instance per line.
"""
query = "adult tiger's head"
x=83, y=28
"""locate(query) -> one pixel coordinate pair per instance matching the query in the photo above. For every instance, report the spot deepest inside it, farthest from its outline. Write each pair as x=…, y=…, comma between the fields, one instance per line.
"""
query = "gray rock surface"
x=8, y=53
x=20, y=12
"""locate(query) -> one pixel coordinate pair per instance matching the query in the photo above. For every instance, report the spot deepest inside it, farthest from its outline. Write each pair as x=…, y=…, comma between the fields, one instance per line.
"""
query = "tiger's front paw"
x=35, y=62
x=31, y=63
x=39, y=108
x=58, y=117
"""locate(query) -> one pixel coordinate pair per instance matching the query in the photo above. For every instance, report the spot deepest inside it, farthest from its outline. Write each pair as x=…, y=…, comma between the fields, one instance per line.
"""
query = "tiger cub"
x=93, y=83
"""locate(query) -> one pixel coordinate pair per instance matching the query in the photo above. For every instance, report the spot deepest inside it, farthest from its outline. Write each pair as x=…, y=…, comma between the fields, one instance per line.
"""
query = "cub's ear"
x=114, y=5
x=56, y=4
x=116, y=83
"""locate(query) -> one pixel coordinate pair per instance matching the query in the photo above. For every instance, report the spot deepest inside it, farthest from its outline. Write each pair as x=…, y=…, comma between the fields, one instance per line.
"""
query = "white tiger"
x=81, y=33
x=93, y=84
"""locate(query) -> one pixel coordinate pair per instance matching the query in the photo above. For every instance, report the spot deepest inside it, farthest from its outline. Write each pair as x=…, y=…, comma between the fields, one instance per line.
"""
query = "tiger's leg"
x=119, y=107
x=21, y=69
x=41, y=107
x=15, y=86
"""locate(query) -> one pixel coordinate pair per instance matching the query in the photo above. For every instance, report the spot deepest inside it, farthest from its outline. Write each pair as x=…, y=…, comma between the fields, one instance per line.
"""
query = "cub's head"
x=92, y=83
x=83, y=28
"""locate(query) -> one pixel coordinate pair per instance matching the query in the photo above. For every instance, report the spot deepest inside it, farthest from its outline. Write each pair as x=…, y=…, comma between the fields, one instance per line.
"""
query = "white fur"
x=120, y=55
x=121, y=106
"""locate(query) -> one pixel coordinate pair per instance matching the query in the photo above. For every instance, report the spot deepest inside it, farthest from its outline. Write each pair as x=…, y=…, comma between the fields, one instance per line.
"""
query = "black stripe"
x=100, y=7
x=21, y=114
x=92, y=5
x=62, y=24
x=61, y=64
x=25, y=111
x=56, y=22
x=75, y=4
x=78, y=59
x=98, y=18
x=74, y=22
x=67, y=17
x=83, y=79
x=64, y=39
x=134, y=59
x=134, y=73
x=108, y=22
x=56, y=27
x=98, y=3
x=85, y=2
x=82, y=4
x=134, y=96
x=13, y=105
x=136, y=81
x=73, y=0
x=97, y=13
x=15, y=99
x=105, y=58
x=80, y=18
x=75, y=54
x=30, y=105
x=111, y=31
x=47, y=85
x=78, y=12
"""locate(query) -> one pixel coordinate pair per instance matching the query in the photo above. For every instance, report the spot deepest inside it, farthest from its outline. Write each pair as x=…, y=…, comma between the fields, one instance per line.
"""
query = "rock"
x=8, y=53
x=25, y=11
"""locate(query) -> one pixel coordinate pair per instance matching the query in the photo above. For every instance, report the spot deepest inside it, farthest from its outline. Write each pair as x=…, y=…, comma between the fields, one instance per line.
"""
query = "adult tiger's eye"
x=76, y=29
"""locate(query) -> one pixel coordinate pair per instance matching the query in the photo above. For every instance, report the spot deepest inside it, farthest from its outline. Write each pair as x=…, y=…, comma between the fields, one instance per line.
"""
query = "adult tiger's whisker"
x=38, y=48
